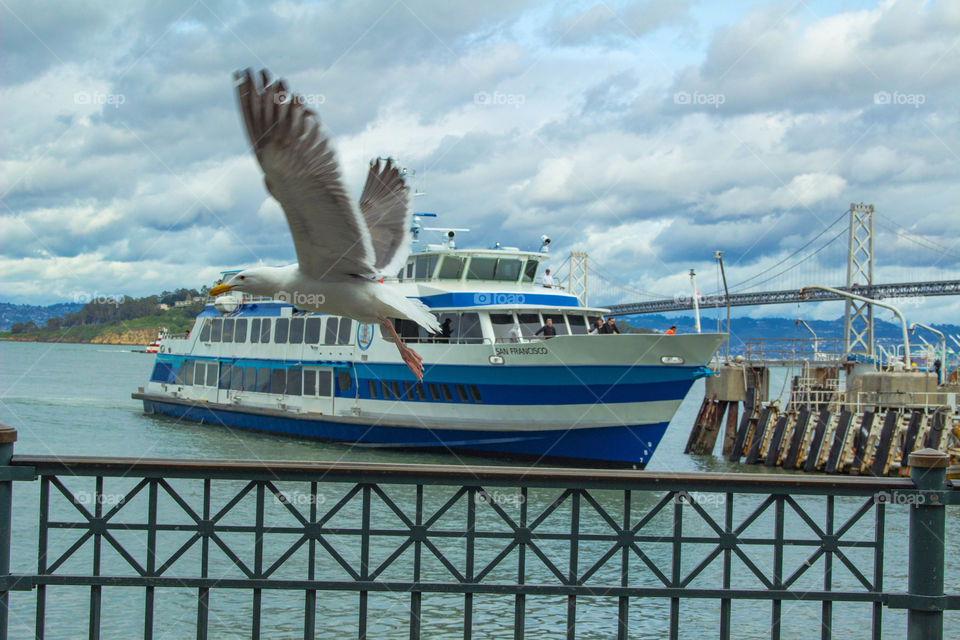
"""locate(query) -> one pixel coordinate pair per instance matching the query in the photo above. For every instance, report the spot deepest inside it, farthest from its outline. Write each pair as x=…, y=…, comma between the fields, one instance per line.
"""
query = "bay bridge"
x=842, y=256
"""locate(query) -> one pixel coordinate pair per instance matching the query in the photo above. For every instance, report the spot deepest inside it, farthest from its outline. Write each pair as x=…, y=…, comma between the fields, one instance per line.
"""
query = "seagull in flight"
x=343, y=250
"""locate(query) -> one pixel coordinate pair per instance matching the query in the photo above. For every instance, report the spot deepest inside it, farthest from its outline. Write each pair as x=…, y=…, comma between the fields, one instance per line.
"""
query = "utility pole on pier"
x=858, y=316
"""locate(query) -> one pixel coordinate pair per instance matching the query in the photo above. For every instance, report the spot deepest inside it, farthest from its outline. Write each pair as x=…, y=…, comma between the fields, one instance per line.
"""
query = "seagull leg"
x=409, y=356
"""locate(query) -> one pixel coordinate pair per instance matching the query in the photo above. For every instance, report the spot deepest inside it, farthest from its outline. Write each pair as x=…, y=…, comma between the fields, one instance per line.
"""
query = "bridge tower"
x=578, y=275
x=858, y=316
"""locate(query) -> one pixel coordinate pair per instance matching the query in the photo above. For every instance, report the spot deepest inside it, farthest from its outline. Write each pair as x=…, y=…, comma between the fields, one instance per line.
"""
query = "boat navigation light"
x=544, y=244
x=450, y=242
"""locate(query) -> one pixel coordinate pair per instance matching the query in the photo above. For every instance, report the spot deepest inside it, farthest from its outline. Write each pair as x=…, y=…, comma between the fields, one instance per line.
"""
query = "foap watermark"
x=902, y=498
x=698, y=99
x=498, y=98
x=499, y=298
x=95, y=297
x=301, y=299
x=904, y=300
x=104, y=499
x=713, y=300
x=99, y=99
x=500, y=498
x=699, y=499
x=898, y=98
x=307, y=99
x=299, y=498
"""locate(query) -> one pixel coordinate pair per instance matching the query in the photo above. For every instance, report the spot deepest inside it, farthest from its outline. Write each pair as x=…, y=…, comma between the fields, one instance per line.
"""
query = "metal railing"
x=417, y=534
x=823, y=351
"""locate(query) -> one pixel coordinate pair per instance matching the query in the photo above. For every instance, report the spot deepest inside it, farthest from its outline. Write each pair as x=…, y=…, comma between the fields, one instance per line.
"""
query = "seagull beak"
x=220, y=288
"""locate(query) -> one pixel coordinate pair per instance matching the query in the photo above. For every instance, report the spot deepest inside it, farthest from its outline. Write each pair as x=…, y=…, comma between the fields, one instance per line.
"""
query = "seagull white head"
x=260, y=281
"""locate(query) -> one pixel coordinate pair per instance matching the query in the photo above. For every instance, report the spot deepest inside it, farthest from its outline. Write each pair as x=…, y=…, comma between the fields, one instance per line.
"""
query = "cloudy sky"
x=648, y=133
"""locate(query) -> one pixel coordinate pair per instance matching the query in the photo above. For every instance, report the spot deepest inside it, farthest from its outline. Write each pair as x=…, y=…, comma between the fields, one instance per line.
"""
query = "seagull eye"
x=243, y=277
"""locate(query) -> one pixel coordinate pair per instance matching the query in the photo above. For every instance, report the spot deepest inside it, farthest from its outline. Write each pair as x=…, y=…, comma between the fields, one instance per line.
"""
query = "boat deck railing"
x=627, y=549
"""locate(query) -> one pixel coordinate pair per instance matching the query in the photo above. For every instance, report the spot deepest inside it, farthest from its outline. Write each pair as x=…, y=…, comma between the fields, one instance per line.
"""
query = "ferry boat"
x=491, y=384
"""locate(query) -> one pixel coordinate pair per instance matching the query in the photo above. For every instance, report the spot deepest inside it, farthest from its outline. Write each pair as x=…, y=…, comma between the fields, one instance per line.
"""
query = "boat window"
x=181, y=370
x=249, y=378
x=481, y=268
x=263, y=379
x=475, y=393
x=558, y=323
x=434, y=393
x=309, y=382
x=451, y=268
x=187, y=372
x=408, y=330
x=407, y=391
x=255, y=330
x=294, y=378
x=420, y=394
x=199, y=373
x=325, y=383
x=265, y=331
x=330, y=337
x=508, y=269
x=343, y=335
x=240, y=330
x=462, y=393
x=280, y=334
x=373, y=388
x=529, y=323
x=578, y=326
x=216, y=330
x=278, y=380
x=530, y=270
x=447, y=396
x=344, y=379
x=424, y=266
x=211, y=374
x=205, y=330
x=384, y=390
x=224, y=375
x=410, y=269
x=296, y=331
x=236, y=378
x=312, y=334
x=227, y=333
x=161, y=372
x=395, y=388
x=469, y=330
x=502, y=323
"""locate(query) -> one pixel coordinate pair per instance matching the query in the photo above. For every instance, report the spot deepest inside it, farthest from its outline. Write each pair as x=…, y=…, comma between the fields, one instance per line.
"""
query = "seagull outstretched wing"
x=301, y=171
x=385, y=205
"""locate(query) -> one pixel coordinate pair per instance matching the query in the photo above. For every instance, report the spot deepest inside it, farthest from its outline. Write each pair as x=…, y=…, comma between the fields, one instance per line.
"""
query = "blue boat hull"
x=628, y=445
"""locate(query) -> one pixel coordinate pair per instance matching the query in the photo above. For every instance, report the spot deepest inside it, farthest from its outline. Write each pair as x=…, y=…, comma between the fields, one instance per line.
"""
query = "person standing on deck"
x=597, y=328
x=610, y=327
x=548, y=330
x=547, y=280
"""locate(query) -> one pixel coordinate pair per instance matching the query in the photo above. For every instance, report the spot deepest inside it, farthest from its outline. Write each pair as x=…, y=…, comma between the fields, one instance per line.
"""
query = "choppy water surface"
x=75, y=400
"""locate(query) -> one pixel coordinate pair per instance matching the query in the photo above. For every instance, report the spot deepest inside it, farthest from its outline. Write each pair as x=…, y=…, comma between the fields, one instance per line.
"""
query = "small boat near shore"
x=491, y=384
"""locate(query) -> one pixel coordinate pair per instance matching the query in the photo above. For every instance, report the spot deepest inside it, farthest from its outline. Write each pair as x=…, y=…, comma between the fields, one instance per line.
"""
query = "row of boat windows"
x=465, y=327
x=296, y=330
x=303, y=381
x=293, y=381
x=474, y=268
x=394, y=390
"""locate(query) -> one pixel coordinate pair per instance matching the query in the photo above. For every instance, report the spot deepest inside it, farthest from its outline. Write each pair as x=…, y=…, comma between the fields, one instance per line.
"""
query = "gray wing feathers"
x=385, y=206
x=301, y=171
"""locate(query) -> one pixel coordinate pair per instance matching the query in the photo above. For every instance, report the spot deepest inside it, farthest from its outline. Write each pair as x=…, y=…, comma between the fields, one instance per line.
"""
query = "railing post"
x=8, y=435
x=928, y=470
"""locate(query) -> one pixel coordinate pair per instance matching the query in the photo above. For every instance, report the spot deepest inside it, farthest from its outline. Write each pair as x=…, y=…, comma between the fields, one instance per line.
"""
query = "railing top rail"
x=431, y=474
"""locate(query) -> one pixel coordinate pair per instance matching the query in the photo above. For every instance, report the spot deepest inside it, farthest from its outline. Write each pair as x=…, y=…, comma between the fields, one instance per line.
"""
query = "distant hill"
x=745, y=328
x=11, y=314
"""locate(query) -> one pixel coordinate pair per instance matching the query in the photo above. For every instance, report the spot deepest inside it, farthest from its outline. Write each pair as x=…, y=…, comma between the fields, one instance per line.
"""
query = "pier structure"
x=296, y=537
